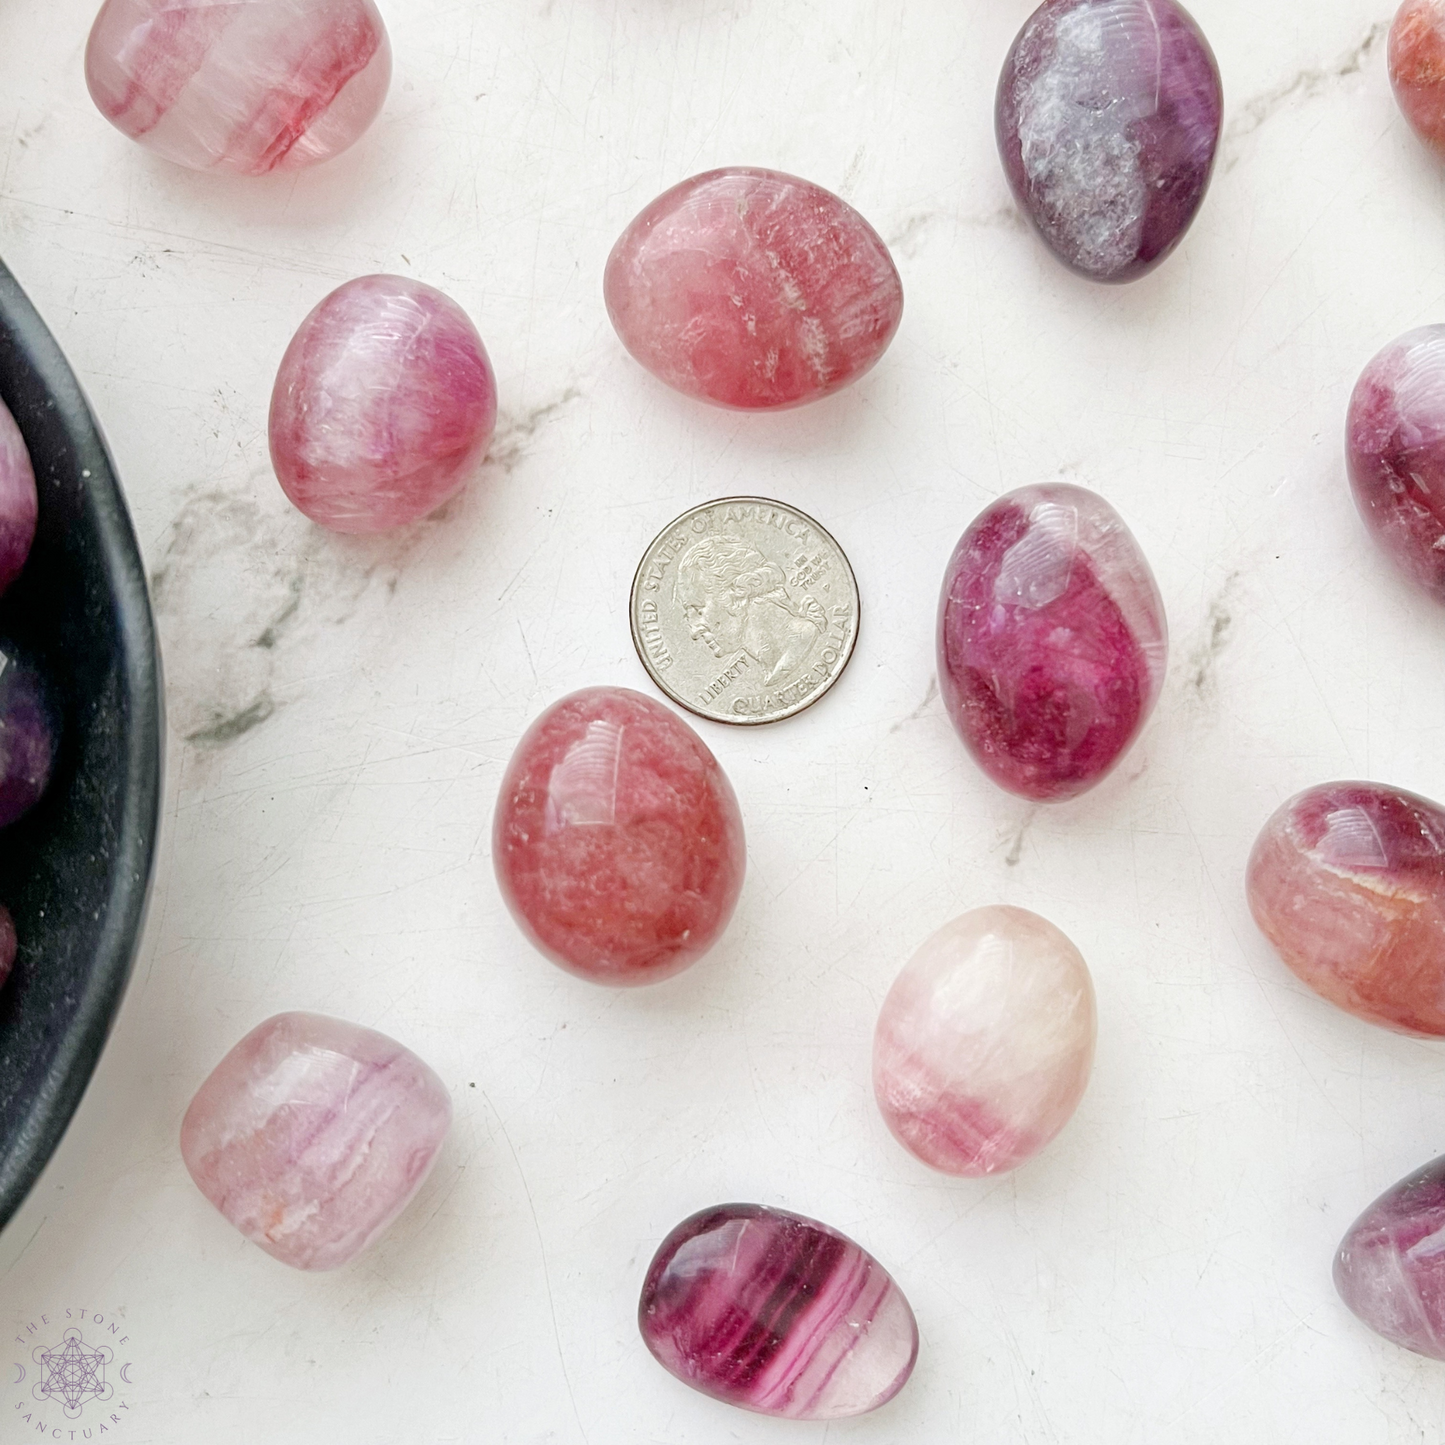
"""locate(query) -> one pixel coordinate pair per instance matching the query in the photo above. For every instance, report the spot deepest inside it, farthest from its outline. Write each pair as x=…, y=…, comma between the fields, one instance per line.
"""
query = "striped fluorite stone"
x=776, y=1313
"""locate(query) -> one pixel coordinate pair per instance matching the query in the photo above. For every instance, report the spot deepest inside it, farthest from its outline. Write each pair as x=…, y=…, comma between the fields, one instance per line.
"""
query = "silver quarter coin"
x=744, y=610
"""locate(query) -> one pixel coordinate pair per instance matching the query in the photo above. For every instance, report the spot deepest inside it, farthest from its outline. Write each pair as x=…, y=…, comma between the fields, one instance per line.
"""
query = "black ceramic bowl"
x=76, y=870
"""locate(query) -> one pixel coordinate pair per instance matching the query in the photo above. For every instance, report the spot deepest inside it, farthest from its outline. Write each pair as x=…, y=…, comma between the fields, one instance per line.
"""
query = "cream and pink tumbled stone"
x=617, y=840
x=1417, y=68
x=1347, y=881
x=753, y=289
x=985, y=1042
x=313, y=1134
x=384, y=405
x=249, y=86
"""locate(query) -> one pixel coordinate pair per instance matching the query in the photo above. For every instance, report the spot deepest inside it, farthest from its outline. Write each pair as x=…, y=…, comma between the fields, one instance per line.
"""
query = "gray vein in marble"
x=228, y=729
x=928, y=700
x=1203, y=660
x=509, y=446
x=1305, y=85
x=1016, y=851
x=908, y=237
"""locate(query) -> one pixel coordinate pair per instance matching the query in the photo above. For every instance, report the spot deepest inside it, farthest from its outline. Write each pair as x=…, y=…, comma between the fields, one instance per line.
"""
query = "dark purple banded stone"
x=776, y=1313
x=19, y=504
x=29, y=735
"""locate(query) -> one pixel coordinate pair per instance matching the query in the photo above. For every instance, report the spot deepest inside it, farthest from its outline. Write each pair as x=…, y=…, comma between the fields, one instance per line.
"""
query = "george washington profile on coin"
x=735, y=600
x=744, y=610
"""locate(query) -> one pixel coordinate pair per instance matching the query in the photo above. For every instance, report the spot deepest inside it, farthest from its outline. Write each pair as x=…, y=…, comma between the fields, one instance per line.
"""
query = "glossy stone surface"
x=1395, y=453
x=313, y=1134
x=1052, y=641
x=1347, y=881
x=753, y=289
x=1417, y=68
x=617, y=839
x=249, y=86
x=1390, y=1269
x=19, y=507
x=1108, y=117
x=9, y=944
x=778, y=1314
x=383, y=407
x=29, y=735
x=985, y=1041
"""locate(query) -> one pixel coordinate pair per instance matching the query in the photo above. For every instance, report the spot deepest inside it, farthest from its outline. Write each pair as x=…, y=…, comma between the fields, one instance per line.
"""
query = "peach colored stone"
x=985, y=1042
x=1417, y=68
x=1347, y=881
x=313, y=1134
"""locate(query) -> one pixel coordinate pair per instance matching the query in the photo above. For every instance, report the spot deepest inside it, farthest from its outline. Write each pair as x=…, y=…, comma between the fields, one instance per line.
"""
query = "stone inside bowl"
x=76, y=871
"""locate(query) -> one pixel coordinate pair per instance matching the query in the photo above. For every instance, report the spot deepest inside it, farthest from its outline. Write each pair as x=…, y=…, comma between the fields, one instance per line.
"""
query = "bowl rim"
x=29, y=351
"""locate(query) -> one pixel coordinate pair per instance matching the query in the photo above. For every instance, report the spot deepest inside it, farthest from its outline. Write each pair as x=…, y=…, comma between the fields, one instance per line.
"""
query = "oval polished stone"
x=1395, y=454
x=1347, y=881
x=384, y=405
x=313, y=1134
x=249, y=86
x=776, y=1313
x=753, y=289
x=1108, y=117
x=617, y=841
x=1052, y=641
x=1390, y=1269
x=985, y=1042
x=19, y=505
x=29, y=735
x=1417, y=68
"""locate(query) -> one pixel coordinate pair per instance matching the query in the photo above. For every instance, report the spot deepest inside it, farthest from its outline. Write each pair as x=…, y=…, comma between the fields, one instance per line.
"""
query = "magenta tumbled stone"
x=1052, y=641
x=9, y=944
x=1108, y=118
x=753, y=289
x=19, y=506
x=1390, y=1269
x=383, y=407
x=617, y=841
x=777, y=1313
x=249, y=86
x=1395, y=452
x=313, y=1134
x=1347, y=881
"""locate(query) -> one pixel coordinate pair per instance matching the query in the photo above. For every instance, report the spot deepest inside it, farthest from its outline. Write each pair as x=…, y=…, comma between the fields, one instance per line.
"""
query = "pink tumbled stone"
x=19, y=506
x=1390, y=1269
x=313, y=1134
x=249, y=86
x=1347, y=881
x=753, y=289
x=985, y=1042
x=384, y=405
x=1052, y=641
x=1395, y=452
x=1417, y=68
x=617, y=840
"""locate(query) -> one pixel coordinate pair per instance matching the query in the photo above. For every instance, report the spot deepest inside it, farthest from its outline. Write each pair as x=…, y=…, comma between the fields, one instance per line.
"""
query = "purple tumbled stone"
x=9, y=944
x=1052, y=640
x=1395, y=451
x=1390, y=1269
x=1108, y=117
x=29, y=733
x=18, y=505
x=776, y=1313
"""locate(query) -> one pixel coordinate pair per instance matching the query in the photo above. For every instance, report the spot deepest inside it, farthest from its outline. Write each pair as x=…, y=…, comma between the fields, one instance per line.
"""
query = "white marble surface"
x=1162, y=1271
